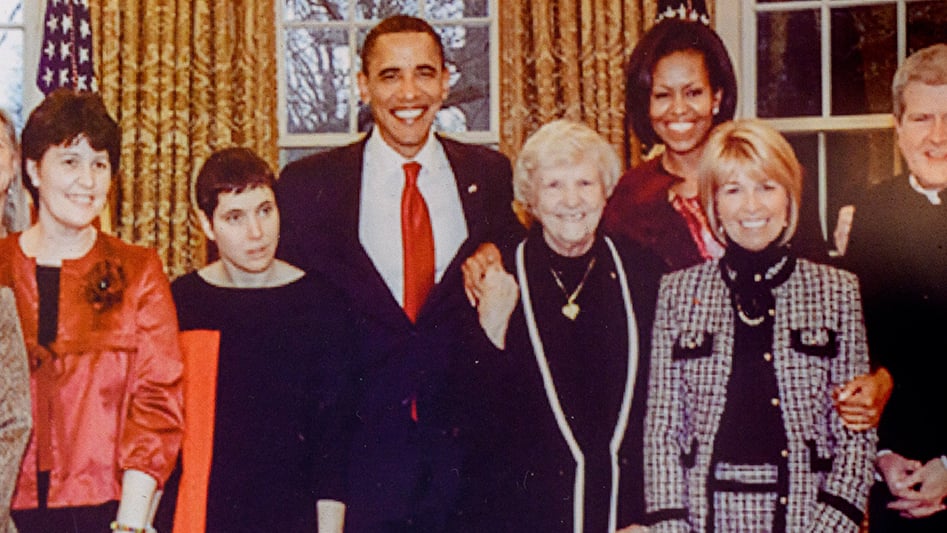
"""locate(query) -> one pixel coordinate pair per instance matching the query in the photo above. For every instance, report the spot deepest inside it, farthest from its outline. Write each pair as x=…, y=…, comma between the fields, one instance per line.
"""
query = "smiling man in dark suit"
x=355, y=216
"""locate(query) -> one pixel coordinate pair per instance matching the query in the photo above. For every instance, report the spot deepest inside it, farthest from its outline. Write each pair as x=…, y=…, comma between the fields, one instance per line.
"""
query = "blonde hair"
x=16, y=208
x=559, y=143
x=751, y=147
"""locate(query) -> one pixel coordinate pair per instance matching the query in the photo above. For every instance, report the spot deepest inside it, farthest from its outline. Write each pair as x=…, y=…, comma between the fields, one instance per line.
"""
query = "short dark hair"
x=62, y=118
x=230, y=170
x=398, y=24
x=665, y=38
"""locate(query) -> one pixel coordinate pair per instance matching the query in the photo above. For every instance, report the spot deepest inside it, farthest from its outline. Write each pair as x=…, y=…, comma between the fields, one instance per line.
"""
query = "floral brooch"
x=105, y=284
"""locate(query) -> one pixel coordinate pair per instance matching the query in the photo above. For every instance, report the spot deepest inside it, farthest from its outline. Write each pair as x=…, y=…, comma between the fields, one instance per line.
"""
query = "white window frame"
x=318, y=140
x=735, y=21
x=33, y=12
x=32, y=28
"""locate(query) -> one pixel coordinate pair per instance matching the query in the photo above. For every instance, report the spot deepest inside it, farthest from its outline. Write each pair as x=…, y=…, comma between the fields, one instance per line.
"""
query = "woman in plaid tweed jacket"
x=15, y=416
x=703, y=404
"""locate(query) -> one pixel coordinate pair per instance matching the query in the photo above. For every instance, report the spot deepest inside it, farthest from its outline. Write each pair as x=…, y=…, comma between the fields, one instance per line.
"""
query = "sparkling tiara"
x=683, y=12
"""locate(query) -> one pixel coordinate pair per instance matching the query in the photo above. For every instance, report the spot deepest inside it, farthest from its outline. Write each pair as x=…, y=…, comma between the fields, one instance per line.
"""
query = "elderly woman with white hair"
x=573, y=326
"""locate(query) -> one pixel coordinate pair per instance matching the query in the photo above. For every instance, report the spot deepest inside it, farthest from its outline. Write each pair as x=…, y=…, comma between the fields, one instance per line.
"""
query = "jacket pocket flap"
x=693, y=345
x=818, y=342
x=818, y=462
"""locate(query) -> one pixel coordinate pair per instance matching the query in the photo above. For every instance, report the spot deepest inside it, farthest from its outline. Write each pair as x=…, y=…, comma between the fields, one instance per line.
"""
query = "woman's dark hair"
x=63, y=118
x=230, y=170
x=665, y=38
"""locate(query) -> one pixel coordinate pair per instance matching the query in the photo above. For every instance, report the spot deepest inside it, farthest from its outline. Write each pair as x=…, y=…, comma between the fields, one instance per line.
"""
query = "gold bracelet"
x=122, y=528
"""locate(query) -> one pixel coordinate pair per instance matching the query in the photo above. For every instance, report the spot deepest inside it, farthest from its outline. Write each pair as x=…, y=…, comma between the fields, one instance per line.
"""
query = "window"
x=319, y=45
x=19, y=41
x=820, y=71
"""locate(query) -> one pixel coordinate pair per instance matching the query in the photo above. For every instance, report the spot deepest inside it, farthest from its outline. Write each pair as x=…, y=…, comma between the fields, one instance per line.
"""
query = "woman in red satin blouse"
x=101, y=335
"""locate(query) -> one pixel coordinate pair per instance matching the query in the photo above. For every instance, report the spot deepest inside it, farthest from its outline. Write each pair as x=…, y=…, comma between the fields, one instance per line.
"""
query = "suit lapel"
x=468, y=189
x=357, y=276
x=347, y=263
x=354, y=270
x=468, y=184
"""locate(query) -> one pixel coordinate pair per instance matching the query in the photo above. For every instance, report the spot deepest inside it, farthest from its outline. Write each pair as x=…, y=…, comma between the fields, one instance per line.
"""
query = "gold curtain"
x=183, y=78
x=565, y=59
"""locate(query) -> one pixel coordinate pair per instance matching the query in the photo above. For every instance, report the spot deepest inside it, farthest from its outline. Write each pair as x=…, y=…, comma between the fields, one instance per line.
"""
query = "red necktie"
x=417, y=239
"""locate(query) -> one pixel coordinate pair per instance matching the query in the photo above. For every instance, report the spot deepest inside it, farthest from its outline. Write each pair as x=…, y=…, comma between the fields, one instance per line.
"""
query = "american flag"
x=66, y=56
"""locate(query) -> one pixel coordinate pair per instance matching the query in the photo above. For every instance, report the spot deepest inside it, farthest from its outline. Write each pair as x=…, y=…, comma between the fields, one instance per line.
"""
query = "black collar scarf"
x=752, y=276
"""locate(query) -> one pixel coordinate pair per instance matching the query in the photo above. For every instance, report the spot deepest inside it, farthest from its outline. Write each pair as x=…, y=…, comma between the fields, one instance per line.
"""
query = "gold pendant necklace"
x=571, y=309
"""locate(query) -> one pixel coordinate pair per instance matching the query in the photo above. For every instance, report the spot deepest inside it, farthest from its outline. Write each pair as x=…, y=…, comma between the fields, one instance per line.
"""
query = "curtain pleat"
x=565, y=59
x=183, y=78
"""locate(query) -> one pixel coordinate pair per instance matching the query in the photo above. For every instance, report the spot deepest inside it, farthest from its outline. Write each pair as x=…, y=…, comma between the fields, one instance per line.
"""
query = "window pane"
x=864, y=58
x=926, y=24
x=857, y=160
x=11, y=11
x=468, y=56
x=379, y=9
x=788, y=65
x=11, y=73
x=318, y=81
x=288, y=155
x=455, y=9
x=321, y=11
x=808, y=239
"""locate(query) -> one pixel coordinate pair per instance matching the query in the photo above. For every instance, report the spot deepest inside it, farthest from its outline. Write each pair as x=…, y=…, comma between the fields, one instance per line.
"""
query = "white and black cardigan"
x=819, y=344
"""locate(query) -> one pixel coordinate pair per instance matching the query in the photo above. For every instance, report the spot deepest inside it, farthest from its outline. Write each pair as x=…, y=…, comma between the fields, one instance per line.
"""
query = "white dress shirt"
x=379, y=221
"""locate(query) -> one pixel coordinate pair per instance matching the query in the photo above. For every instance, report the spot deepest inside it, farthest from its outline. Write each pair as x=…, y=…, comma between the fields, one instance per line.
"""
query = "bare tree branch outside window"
x=322, y=39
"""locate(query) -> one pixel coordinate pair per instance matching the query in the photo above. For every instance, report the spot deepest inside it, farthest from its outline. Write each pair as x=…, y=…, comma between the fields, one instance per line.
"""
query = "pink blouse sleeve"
x=153, y=428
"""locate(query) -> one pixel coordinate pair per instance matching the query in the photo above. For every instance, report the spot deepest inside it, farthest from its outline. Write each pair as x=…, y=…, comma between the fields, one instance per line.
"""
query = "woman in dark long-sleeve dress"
x=273, y=380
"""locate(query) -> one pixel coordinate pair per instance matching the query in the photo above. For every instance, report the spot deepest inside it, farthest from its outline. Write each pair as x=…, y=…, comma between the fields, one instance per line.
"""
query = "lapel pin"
x=472, y=188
